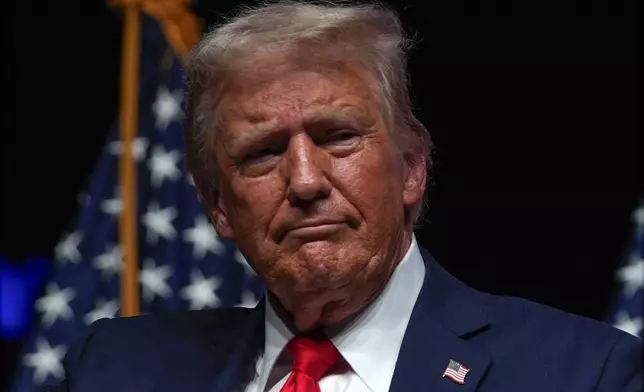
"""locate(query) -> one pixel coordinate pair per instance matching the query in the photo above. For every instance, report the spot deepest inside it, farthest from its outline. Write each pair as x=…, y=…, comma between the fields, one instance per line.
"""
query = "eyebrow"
x=345, y=116
x=252, y=134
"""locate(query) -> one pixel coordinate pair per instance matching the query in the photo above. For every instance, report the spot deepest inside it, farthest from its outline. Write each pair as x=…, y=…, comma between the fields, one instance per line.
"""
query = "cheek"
x=371, y=181
x=254, y=202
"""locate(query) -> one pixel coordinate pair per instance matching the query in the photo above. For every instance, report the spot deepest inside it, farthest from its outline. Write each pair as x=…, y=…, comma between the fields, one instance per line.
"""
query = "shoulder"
x=526, y=332
x=142, y=337
x=160, y=328
x=544, y=321
x=513, y=318
x=192, y=321
x=119, y=353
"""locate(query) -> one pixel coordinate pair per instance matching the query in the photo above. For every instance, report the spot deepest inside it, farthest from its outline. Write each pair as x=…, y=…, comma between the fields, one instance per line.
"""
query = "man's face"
x=313, y=190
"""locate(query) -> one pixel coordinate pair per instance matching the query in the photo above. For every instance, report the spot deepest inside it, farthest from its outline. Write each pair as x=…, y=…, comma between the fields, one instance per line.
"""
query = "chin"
x=320, y=249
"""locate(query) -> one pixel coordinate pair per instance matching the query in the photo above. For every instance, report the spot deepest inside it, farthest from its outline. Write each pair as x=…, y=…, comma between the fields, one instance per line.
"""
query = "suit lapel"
x=446, y=315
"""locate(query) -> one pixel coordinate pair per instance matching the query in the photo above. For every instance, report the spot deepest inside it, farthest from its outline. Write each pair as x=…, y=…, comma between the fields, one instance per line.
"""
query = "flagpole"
x=128, y=121
x=182, y=30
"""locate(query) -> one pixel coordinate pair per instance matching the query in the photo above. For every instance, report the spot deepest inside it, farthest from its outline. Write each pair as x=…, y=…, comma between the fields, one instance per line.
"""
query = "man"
x=305, y=152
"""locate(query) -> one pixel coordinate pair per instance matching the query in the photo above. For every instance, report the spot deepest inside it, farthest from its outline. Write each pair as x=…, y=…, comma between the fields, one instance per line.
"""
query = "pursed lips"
x=316, y=223
x=313, y=227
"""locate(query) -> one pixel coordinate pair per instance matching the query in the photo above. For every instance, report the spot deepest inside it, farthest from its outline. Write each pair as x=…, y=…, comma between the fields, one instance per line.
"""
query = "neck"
x=352, y=307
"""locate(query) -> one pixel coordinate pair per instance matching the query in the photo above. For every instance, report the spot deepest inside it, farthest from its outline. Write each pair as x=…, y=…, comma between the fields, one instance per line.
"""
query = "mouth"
x=312, y=230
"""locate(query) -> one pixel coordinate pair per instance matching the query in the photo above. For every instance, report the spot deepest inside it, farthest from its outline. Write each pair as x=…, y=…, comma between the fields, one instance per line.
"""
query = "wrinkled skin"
x=308, y=146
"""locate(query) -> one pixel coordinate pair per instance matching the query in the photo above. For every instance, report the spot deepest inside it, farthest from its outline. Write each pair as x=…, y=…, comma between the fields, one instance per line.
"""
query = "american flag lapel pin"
x=456, y=372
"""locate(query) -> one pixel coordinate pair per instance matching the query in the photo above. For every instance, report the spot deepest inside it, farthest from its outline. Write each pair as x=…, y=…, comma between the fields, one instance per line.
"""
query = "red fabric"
x=312, y=359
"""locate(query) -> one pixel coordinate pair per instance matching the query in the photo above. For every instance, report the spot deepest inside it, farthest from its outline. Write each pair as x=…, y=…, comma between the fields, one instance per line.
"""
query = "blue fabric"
x=509, y=344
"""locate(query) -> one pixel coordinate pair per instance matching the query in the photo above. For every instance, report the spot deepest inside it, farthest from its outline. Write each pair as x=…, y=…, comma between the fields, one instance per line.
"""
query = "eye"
x=261, y=155
x=343, y=138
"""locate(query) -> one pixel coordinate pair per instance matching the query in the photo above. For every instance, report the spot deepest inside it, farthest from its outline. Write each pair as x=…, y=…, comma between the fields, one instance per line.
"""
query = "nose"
x=307, y=180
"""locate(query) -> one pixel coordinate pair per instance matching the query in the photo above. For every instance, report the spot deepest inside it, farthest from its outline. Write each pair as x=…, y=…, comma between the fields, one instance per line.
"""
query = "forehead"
x=285, y=93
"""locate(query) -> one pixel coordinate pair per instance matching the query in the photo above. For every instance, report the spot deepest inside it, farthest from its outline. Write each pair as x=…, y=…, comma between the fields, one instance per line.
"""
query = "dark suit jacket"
x=509, y=344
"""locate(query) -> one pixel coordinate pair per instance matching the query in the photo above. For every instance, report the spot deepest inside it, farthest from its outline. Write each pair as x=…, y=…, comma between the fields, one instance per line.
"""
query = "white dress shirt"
x=369, y=344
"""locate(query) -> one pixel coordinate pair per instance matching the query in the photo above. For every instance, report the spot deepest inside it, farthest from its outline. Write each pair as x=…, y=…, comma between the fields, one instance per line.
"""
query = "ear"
x=415, y=178
x=212, y=200
x=220, y=219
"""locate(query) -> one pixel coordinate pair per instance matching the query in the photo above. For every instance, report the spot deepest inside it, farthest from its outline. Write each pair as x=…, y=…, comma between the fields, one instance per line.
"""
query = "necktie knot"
x=313, y=357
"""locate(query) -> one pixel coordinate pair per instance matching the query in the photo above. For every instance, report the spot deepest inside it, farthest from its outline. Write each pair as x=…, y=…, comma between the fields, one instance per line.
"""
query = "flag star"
x=55, y=304
x=204, y=238
x=113, y=206
x=46, y=361
x=632, y=276
x=190, y=179
x=167, y=107
x=104, y=309
x=159, y=223
x=153, y=280
x=627, y=324
x=139, y=148
x=239, y=257
x=163, y=165
x=201, y=293
x=248, y=300
x=67, y=249
x=110, y=262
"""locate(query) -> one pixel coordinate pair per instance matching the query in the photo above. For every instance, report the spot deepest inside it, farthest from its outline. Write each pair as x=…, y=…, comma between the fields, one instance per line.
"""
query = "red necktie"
x=312, y=359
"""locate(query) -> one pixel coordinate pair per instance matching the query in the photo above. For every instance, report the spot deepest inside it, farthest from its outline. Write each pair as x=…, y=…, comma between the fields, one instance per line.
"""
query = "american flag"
x=628, y=312
x=456, y=372
x=184, y=265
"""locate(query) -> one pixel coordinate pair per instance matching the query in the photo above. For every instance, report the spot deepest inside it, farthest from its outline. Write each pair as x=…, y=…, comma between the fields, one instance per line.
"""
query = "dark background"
x=534, y=109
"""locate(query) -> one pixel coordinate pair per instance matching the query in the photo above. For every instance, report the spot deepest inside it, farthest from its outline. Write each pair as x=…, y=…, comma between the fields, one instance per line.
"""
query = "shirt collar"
x=371, y=342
